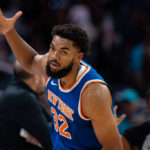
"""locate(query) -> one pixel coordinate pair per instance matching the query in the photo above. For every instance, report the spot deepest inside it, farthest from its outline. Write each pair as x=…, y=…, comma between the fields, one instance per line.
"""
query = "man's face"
x=62, y=55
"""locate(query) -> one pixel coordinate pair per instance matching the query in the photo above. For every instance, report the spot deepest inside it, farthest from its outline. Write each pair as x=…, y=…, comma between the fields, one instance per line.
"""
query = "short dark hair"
x=75, y=34
x=19, y=72
x=148, y=96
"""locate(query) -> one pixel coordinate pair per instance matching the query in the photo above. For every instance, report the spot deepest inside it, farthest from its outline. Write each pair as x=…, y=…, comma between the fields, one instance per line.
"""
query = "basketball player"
x=79, y=98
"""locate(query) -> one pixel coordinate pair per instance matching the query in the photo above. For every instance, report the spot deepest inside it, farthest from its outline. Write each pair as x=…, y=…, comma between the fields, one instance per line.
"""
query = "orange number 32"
x=63, y=126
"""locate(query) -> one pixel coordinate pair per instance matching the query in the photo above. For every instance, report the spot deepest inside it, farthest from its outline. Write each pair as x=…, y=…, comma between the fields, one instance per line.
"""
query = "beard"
x=60, y=73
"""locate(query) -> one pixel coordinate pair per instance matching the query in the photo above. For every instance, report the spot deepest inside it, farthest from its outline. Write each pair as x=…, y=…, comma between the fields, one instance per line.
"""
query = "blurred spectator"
x=80, y=15
x=138, y=137
x=24, y=123
x=127, y=101
x=6, y=67
x=139, y=62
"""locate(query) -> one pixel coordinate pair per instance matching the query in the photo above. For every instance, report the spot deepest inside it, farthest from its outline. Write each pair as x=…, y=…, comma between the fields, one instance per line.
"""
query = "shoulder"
x=96, y=90
x=40, y=62
x=19, y=96
x=139, y=132
x=145, y=126
x=96, y=96
x=141, y=129
x=15, y=102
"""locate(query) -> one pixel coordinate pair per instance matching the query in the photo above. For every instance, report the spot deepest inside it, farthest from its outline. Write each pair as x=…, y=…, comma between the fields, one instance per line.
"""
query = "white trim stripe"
x=76, y=83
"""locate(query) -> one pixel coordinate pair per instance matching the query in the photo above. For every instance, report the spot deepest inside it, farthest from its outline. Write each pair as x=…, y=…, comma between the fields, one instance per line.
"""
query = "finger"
x=115, y=110
x=17, y=15
x=122, y=118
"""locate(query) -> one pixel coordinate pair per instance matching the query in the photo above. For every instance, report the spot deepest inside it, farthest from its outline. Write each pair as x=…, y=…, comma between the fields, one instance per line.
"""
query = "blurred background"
x=119, y=32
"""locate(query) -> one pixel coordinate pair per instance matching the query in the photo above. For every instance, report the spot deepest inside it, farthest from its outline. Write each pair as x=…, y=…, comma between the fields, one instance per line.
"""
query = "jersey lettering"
x=55, y=118
x=63, y=127
x=66, y=110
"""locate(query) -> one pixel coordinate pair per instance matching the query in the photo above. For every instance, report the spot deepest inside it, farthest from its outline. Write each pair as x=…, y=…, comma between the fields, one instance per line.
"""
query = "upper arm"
x=38, y=65
x=96, y=105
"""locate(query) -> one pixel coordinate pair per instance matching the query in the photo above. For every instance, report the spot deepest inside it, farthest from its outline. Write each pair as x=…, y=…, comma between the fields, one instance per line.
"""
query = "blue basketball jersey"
x=71, y=130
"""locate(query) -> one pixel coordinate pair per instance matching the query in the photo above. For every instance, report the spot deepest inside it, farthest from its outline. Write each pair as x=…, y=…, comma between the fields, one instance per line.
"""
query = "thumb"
x=17, y=15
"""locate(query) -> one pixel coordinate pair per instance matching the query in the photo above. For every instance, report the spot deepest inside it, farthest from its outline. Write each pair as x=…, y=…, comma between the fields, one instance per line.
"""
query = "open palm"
x=7, y=24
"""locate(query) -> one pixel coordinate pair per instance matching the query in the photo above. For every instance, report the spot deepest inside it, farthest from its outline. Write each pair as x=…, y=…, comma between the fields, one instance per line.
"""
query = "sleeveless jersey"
x=70, y=129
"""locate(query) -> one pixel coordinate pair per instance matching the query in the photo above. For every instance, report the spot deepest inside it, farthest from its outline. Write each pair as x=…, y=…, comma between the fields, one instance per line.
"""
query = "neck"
x=68, y=81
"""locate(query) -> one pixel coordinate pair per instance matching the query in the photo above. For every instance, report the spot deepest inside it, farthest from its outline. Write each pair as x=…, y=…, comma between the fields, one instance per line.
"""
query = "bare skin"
x=121, y=118
x=96, y=105
x=126, y=145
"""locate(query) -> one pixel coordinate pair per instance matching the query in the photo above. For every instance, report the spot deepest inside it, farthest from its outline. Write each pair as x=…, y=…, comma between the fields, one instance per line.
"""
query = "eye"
x=52, y=48
x=63, y=52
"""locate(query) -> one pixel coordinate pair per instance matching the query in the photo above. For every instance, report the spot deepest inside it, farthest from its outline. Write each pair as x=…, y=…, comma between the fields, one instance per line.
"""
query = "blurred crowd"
x=119, y=32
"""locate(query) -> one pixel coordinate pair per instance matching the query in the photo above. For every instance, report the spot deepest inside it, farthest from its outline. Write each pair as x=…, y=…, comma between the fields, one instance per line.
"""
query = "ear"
x=78, y=57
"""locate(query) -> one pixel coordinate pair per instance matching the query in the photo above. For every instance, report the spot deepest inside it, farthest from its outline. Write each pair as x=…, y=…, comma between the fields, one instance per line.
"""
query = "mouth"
x=54, y=66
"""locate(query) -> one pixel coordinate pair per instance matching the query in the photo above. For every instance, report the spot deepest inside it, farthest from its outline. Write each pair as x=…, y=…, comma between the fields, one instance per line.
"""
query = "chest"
x=63, y=103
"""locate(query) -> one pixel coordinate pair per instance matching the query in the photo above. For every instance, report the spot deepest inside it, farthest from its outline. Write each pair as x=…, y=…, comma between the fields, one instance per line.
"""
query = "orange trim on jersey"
x=85, y=86
x=87, y=67
x=47, y=79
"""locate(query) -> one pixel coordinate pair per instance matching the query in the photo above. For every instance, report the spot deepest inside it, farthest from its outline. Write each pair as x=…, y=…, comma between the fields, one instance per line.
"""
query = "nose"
x=54, y=55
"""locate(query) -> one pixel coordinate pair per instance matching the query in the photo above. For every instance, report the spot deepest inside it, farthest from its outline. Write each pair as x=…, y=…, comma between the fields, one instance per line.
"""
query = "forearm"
x=114, y=142
x=24, y=52
x=126, y=144
x=113, y=146
x=111, y=140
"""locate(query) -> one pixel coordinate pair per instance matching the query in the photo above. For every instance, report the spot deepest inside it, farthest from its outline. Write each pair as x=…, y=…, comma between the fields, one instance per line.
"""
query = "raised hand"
x=7, y=24
x=120, y=119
